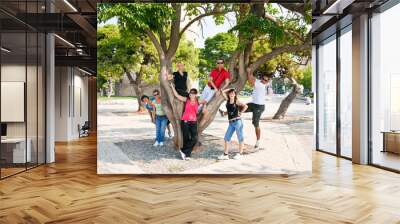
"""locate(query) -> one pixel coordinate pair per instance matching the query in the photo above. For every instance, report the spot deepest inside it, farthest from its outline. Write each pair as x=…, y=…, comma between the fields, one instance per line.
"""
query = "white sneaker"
x=183, y=156
x=237, y=156
x=257, y=144
x=188, y=158
x=156, y=144
x=223, y=157
x=161, y=144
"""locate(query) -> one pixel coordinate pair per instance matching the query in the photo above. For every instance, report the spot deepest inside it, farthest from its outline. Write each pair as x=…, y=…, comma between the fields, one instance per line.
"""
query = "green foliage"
x=222, y=45
x=277, y=27
x=306, y=78
x=107, y=43
x=118, y=52
x=189, y=55
x=137, y=16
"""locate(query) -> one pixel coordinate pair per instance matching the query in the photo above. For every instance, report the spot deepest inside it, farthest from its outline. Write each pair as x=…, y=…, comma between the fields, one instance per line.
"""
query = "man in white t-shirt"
x=257, y=104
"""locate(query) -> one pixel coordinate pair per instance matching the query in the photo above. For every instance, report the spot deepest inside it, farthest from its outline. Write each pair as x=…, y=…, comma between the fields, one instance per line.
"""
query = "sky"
x=210, y=29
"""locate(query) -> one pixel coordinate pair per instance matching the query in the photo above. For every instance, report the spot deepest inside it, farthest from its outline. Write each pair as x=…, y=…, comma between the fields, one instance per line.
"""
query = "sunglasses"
x=155, y=94
x=220, y=62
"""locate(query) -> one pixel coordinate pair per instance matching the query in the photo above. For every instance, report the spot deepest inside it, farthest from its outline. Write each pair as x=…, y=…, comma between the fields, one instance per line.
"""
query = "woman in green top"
x=161, y=118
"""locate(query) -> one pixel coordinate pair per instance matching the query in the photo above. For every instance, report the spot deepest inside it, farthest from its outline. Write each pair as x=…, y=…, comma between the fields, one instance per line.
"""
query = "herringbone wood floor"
x=69, y=191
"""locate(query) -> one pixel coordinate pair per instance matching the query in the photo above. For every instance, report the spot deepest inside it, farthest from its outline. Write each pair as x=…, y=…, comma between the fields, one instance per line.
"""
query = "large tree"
x=162, y=23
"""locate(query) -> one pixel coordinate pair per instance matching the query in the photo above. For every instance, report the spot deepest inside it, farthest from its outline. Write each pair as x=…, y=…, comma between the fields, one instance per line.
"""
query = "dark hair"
x=144, y=97
x=194, y=90
x=230, y=91
x=156, y=91
x=261, y=75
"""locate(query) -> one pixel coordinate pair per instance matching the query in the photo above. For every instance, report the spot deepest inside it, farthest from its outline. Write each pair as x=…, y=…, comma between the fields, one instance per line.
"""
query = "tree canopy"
x=262, y=32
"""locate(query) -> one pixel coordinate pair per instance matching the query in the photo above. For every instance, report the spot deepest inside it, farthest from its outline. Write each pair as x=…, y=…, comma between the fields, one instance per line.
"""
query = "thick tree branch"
x=175, y=27
x=163, y=39
x=287, y=48
x=232, y=64
x=155, y=42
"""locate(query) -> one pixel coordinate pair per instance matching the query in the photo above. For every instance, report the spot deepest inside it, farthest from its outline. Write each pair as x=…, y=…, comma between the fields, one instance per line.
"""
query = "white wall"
x=14, y=73
x=71, y=102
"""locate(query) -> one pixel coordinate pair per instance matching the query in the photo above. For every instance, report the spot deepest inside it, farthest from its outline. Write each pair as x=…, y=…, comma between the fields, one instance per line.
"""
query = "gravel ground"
x=166, y=160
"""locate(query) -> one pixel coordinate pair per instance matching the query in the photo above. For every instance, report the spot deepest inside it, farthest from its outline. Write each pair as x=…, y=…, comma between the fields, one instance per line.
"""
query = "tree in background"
x=286, y=32
x=306, y=78
x=119, y=54
x=287, y=68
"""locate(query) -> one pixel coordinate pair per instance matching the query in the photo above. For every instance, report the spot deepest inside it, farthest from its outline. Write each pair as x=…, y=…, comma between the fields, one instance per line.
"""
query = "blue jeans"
x=236, y=125
x=161, y=124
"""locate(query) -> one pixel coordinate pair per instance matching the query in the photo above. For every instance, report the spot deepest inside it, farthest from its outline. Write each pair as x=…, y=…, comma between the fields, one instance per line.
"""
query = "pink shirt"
x=190, y=112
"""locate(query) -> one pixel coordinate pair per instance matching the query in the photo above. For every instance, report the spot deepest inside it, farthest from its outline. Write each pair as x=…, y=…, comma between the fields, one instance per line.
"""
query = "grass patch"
x=104, y=98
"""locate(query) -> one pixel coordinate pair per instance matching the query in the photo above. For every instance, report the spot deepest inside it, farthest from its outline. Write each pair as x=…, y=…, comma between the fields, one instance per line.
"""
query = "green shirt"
x=159, y=110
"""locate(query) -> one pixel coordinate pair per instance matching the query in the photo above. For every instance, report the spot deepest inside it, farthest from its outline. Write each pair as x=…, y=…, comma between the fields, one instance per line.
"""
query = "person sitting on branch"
x=219, y=80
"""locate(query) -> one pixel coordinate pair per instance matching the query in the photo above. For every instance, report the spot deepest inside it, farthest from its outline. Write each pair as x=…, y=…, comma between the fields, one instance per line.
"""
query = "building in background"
x=357, y=80
x=48, y=78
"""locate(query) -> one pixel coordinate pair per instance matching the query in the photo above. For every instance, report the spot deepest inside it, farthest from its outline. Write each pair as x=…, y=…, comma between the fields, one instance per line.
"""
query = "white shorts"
x=207, y=94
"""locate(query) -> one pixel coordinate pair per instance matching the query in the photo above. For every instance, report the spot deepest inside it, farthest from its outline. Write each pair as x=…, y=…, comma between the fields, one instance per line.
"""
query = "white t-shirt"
x=259, y=92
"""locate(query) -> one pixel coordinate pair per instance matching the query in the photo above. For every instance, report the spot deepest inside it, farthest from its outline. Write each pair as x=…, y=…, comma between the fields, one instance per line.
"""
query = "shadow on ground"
x=167, y=159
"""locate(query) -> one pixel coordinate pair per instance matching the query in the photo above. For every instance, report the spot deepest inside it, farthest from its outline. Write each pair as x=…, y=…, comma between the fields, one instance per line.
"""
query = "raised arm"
x=250, y=77
x=224, y=93
x=179, y=97
x=167, y=76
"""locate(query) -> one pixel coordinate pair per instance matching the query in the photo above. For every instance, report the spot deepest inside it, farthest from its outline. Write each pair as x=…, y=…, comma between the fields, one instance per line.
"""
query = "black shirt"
x=233, y=110
x=180, y=83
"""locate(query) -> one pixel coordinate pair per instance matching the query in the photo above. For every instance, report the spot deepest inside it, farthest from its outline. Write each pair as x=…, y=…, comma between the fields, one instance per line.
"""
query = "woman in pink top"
x=188, y=122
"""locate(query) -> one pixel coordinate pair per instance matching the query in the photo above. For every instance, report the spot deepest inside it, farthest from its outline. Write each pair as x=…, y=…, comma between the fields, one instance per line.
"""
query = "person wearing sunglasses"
x=188, y=122
x=257, y=104
x=234, y=109
x=161, y=119
x=219, y=80
x=147, y=101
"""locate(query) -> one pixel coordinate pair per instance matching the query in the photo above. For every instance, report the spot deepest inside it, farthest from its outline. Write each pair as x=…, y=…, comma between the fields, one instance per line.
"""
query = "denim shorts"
x=236, y=125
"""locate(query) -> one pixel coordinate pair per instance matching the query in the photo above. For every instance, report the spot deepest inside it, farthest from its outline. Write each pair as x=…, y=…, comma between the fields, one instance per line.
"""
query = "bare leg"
x=226, y=150
x=258, y=133
x=240, y=147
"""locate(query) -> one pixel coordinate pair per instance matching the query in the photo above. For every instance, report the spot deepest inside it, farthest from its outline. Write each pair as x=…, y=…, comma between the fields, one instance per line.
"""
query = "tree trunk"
x=173, y=108
x=109, y=88
x=136, y=83
x=139, y=94
x=296, y=90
